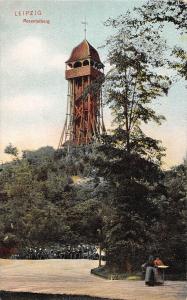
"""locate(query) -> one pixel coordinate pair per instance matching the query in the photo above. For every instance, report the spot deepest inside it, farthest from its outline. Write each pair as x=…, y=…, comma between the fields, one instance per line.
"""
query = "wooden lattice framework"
x=84, y=117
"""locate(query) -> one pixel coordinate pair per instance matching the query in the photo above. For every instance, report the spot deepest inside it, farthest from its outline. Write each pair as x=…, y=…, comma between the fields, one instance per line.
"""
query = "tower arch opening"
x=86, y=62
x=77, y=64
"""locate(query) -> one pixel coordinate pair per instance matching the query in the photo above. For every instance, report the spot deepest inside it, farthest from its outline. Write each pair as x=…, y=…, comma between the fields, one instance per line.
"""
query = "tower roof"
x=83, y=51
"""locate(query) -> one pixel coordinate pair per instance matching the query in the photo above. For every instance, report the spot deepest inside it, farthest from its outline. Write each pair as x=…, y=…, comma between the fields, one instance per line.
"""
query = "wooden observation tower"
x=84, y=117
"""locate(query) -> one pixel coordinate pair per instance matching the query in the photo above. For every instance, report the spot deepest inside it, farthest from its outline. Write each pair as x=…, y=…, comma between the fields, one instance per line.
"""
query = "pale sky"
x=33, y=88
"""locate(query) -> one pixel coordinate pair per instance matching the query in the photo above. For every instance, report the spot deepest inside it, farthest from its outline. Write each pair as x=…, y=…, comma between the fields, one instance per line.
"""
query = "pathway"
x=73, y=277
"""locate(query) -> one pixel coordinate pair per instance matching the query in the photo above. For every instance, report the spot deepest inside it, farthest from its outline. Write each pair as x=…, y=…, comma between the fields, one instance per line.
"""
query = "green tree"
x=168, y=12
x=10, y=149
x=165, y=11
x=172, y=229
x=132, y=161
x=33, y=202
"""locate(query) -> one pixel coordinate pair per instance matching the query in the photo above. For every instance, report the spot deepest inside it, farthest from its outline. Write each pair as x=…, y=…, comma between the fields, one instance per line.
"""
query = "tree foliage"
x=172, y=228
x=165, y=11
x=40, y=204
x=10, y=149
x=131, y=164
x=169, y=12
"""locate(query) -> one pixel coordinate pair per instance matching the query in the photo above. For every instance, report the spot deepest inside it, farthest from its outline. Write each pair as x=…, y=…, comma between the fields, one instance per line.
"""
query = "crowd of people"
x=63, y=252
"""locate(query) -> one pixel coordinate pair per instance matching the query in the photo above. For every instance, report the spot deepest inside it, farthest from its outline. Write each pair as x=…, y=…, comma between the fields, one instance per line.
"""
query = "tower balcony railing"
x=82, y=71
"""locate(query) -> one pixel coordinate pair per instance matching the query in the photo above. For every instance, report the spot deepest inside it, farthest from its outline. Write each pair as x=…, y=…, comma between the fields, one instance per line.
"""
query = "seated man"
x=152, y=275
x=158, y=262
x=158, y=273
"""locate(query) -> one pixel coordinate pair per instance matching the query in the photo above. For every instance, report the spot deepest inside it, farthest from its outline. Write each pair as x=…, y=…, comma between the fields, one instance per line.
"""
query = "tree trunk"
x=119, y=263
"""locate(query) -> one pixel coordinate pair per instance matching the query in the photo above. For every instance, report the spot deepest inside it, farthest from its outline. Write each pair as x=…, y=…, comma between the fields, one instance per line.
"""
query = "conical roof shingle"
x=83, y=51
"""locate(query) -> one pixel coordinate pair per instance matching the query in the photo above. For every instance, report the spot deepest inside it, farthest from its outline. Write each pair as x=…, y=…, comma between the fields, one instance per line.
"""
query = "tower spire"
x=85, y=29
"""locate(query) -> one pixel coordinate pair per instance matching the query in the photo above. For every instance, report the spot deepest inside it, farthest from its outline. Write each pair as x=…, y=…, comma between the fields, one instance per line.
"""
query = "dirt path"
x=73, y=277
